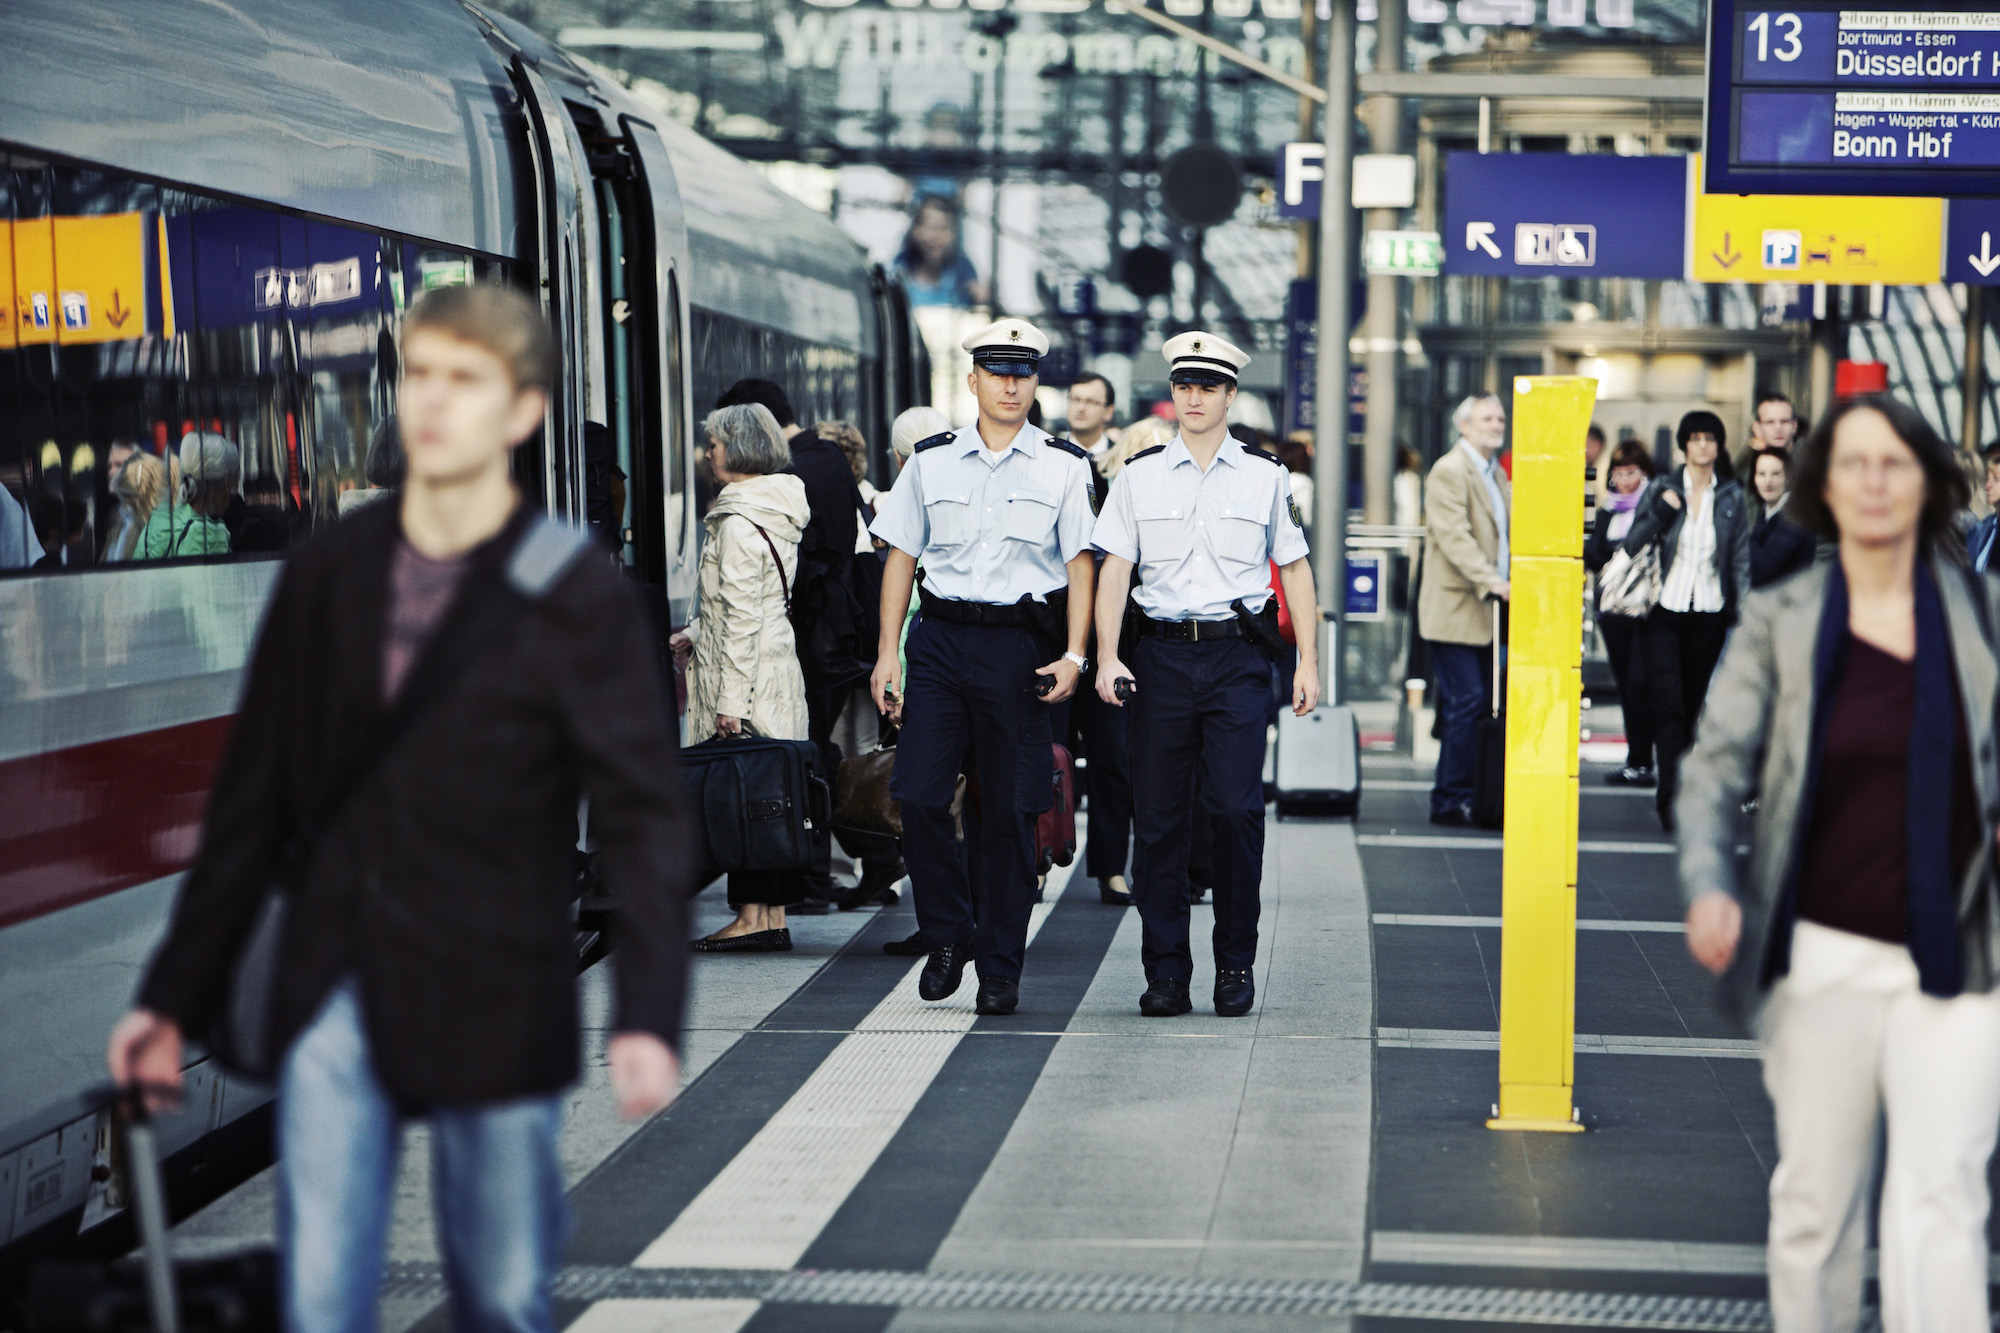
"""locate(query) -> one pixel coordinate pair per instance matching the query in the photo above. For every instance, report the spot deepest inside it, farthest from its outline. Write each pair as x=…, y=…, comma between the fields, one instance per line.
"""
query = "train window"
x=187, y=379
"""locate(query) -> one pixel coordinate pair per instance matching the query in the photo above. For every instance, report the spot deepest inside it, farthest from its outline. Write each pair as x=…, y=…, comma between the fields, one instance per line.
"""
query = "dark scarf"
x=1935, y=741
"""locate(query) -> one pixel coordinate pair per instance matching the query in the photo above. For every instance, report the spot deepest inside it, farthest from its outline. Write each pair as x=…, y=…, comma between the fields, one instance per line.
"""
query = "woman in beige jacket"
x=743, y=664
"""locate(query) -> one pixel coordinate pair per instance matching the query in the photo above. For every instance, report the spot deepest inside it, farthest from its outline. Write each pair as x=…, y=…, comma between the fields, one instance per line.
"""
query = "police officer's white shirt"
x=990, y=527
x=1201, y=540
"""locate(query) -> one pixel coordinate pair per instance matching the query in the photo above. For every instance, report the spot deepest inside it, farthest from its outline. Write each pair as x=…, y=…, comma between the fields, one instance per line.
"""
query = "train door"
x=657, y=357
x=553, y=469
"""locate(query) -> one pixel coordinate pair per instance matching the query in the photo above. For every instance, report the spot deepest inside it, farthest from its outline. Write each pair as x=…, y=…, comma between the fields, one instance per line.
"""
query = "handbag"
x=861, y=799
x=240, y=1036
x=1630, y=584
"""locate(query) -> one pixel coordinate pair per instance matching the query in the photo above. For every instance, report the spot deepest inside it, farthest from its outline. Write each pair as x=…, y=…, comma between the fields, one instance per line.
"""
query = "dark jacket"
x=828, y=544
x=1656, y=519
x=445, y=887
x=1778, y=547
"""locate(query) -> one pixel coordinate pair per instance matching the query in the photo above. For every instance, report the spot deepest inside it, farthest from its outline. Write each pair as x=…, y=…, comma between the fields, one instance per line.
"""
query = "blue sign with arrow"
x=1561, y=215
x=1972, y=242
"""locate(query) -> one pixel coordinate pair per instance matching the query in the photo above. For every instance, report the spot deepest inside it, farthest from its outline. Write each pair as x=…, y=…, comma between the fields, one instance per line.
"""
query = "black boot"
x=1165, y=999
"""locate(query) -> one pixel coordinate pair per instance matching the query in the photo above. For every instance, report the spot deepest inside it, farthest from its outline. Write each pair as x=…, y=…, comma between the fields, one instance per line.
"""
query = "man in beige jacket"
x=1467, y=501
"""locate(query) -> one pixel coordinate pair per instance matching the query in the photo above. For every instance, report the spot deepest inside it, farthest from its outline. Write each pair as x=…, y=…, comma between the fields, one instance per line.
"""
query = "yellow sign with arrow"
x=73, y=279
x=1815, y=238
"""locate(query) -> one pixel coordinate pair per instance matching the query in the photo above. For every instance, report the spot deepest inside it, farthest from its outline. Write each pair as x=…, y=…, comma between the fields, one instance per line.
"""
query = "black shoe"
x=1666, y=818
x=866, y=895
x=1631, y=777
x=757, y=941
x=809, y=907
x=1457, y=816
x=876, y=889
x=1235, y=992
x=997, y=997
x=1164, y=999
x=944, y=971
x=1113, y=897
x=1197, y=893
x=913, y=947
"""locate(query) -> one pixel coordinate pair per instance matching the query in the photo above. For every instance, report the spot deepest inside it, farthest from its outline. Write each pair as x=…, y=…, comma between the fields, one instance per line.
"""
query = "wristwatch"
x=1078, y=658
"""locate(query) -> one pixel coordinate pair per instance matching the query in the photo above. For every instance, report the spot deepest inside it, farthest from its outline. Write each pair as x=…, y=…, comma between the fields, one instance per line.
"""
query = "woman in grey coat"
x=1855, y=704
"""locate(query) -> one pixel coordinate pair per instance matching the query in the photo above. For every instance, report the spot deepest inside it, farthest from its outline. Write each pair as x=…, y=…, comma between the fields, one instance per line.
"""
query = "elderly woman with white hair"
x=742, y=660
x=191, y=524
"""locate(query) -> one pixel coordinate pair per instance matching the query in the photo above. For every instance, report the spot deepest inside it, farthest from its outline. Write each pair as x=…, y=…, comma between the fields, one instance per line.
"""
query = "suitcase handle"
x=149, y=1200
x=1496, y=657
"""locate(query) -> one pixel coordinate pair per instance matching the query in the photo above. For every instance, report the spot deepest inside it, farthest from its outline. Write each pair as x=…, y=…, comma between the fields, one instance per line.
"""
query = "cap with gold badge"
x=1008, y=347
x=1196, y=357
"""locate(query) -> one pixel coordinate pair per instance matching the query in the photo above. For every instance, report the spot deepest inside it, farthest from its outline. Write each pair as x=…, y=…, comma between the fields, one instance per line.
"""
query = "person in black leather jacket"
x=1701, y=520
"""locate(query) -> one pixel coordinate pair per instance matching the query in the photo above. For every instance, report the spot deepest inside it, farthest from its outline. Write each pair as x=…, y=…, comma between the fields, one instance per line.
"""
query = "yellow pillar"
x=1544, y=701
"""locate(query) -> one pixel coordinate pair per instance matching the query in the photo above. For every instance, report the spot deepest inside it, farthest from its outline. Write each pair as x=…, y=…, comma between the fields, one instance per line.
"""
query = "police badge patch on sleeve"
x=1292, y=504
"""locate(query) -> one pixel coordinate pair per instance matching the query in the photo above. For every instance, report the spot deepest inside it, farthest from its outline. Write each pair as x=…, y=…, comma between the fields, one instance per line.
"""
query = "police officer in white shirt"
x=1000, y=514
x=1200, y=519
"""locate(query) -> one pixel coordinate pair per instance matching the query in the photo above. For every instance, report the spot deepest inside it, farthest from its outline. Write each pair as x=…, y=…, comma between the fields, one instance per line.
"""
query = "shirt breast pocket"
x=949, y=518
x=1242, y=534
x=1031, y=515
x=1164, y=531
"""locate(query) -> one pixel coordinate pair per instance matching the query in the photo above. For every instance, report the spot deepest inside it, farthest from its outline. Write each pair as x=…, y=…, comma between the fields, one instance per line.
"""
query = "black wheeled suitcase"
x=150, y=1293
x=761, y=804
x=1489, y=771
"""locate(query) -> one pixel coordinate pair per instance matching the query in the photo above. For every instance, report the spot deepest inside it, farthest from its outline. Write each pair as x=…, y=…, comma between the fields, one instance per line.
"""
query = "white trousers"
x=1849, y=1042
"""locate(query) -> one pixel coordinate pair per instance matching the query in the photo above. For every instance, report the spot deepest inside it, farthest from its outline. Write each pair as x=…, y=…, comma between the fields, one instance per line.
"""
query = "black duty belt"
x=1189, y=631
x=1017, y=616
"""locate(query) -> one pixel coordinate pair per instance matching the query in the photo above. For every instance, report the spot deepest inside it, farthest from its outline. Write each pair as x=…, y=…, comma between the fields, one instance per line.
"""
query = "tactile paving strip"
x=1136, y=1295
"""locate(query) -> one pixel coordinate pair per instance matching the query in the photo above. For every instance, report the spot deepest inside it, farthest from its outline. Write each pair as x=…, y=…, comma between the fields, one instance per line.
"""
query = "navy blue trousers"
x=1199, y=711
x=969, y=706
x=1464, y=678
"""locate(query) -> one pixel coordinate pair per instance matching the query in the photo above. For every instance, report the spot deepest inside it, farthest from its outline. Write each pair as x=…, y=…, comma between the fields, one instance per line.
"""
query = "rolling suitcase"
x=1489, y=767
x=1055, y=827
x=233, y=1294
x=762, y=804
x=1317, y=769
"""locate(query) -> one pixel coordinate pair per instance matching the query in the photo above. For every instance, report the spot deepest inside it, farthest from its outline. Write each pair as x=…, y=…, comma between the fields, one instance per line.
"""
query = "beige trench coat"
x=1461, y=552
x=746, y=661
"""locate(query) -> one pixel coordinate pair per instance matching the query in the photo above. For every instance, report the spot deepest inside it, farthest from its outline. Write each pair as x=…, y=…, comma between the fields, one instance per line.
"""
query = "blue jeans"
x=498, y=1190
x=1464, y=676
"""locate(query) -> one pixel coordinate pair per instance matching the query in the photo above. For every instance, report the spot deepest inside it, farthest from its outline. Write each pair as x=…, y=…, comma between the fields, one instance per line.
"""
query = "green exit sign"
x=1409, y=253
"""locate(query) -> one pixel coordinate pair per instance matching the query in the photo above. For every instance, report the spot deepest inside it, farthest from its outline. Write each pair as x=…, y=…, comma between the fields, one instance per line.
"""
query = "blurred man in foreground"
x=408, y=770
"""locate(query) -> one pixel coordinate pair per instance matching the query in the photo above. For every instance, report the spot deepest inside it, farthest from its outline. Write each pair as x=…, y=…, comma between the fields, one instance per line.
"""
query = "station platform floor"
x=845, y=1157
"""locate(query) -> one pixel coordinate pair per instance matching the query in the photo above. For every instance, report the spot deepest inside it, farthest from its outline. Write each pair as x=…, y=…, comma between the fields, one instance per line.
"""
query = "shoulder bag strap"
x=784, y=584
x=542, y=555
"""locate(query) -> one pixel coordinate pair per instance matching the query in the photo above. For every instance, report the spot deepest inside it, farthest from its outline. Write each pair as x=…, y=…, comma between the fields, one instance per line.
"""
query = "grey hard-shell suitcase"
x=1318, y=767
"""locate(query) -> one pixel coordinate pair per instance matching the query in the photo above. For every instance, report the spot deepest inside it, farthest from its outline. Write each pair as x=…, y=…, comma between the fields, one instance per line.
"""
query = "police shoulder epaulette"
x=945, y=437
x=1267, y=457
x=1069, y=447
x=1146, y=453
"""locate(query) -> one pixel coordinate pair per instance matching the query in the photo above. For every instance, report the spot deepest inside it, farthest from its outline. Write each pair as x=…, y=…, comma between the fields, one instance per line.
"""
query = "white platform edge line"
x=1493, y=922
x=1584, y=1254
x=1453, y=1039
x=1437, y=843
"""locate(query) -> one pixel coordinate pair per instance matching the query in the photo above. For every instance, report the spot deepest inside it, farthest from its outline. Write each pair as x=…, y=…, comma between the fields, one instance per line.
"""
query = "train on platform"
x=213, y=219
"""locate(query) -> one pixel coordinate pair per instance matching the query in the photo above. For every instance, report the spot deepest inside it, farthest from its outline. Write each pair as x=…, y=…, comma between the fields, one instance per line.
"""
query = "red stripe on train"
x=87, y=821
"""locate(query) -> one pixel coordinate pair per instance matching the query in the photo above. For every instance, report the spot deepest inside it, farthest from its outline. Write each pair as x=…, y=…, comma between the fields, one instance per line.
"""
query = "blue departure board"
x=1819, y=99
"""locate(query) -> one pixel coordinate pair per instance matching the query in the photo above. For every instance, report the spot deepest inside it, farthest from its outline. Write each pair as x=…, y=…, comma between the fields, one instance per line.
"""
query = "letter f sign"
x=1304, y=162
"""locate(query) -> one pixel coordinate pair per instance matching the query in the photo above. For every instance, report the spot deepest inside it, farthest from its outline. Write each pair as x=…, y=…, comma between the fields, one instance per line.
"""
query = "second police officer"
x=1199, y=519
x=999, y=513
